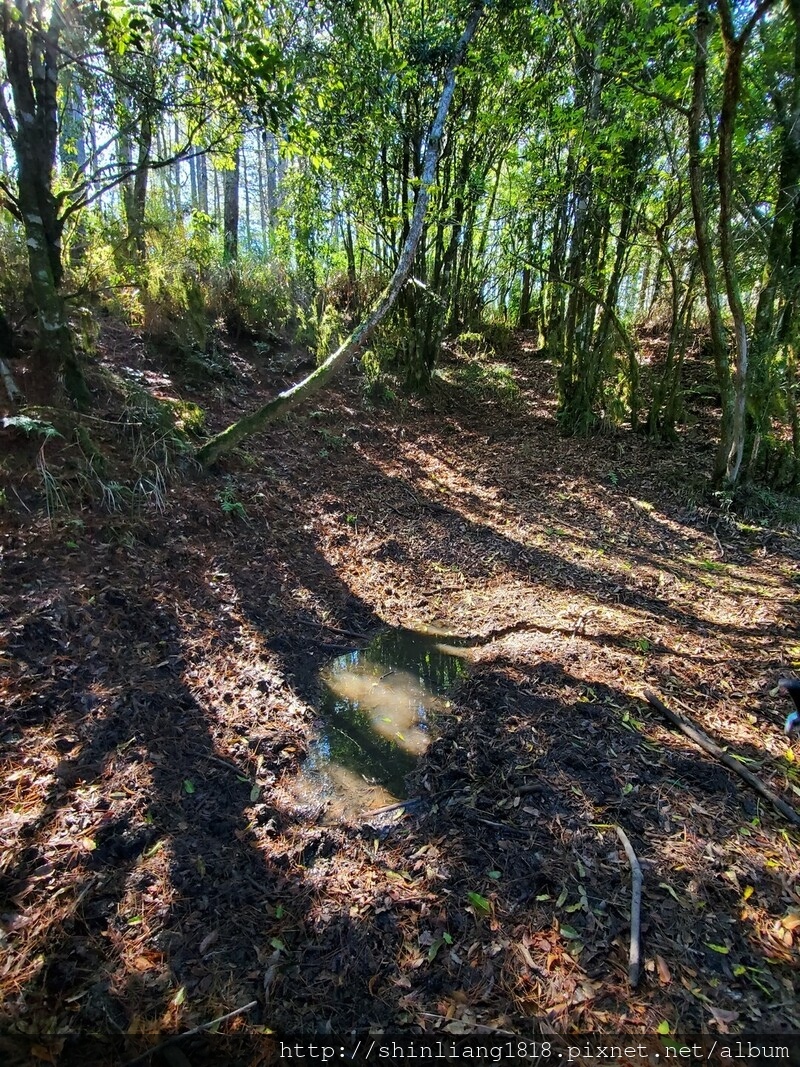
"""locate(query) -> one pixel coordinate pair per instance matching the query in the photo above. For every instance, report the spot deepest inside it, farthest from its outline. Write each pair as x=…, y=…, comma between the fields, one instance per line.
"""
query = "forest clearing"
x=399, y=523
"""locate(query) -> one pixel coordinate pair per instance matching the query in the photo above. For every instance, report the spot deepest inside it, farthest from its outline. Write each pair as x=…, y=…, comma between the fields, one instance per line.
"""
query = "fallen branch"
x=635, y=955
x=191, y=1033
x=703, y=741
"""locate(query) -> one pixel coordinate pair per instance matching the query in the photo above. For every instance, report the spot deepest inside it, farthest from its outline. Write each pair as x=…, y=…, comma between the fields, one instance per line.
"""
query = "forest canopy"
x=604, y=170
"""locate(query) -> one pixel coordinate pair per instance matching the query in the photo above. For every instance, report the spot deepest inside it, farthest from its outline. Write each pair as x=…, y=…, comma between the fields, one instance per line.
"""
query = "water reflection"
x=377, y=707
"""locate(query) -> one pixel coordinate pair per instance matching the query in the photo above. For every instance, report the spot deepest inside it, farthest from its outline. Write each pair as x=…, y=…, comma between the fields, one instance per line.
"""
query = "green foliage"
x=332, y=441
x=31, y=426
x=489, y=381
x=189, y=417
x=13, y=256
x=330, y=332
x=768, y=507
x=252, y=296
x=228, y=502
x=561, y=198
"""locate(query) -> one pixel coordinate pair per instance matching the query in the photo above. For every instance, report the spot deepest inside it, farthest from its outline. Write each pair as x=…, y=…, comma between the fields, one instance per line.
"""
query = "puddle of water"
x=377, y=707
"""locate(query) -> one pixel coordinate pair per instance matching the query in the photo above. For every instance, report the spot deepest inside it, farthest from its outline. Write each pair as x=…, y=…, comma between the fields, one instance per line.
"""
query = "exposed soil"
x=160, y=673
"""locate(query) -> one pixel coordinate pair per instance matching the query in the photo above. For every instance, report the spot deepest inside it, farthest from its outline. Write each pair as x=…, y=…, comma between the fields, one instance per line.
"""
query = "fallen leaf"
x=271, y=973
x=722, y=1017
x=526, y=956
x=42, y=1053
x=479, y=902
x=664, y=975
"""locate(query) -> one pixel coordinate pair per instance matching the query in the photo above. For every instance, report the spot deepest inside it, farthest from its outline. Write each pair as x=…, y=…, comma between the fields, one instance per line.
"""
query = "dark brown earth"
x=159, y=668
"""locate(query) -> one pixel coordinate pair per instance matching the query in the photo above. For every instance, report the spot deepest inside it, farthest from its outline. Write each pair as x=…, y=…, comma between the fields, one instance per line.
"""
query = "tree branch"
x=713, y=749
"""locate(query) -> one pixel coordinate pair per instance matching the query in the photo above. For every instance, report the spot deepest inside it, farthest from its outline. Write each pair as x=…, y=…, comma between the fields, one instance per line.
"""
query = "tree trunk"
x=202, y=182
x=358, y=339
x=32, y=61
x=136, y=230
x=248, y=232
x=262, y=197
x=705, y=254
x=231, y=210
x=732, y=87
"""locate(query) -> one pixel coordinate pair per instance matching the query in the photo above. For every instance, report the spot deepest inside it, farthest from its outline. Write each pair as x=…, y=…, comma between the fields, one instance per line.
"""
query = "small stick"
x=635, y=956
x=432, y=797
x=341, y=630
x=229, y=766
x=393, y=807
x=190, y=1033
x=470, y=815
x=695, y=734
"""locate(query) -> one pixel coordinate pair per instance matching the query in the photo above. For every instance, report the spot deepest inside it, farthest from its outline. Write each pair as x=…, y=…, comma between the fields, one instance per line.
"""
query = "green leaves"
x=481, y=905
x=31, y=426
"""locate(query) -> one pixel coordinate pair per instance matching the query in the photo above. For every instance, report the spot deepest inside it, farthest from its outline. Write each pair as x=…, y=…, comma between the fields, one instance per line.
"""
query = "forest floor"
x=160, y=676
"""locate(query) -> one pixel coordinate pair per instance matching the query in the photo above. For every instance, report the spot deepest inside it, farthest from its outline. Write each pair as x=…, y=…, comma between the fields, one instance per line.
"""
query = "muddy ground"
x=160, y=653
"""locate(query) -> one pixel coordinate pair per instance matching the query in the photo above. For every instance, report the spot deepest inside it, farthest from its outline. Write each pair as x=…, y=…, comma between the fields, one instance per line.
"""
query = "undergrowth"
x=121, y=465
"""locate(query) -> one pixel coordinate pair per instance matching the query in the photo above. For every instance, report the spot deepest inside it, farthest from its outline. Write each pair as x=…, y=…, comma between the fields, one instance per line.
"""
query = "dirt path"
x=160, y=678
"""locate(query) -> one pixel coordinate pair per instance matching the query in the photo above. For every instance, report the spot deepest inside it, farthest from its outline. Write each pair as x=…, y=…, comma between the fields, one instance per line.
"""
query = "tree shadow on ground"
x=182, y=891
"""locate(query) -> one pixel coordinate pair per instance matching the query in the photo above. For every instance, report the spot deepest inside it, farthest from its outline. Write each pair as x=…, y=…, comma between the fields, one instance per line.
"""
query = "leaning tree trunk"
x=357, y=340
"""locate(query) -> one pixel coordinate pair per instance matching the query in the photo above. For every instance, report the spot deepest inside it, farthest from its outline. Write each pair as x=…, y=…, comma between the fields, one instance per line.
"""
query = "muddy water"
x=378, y=705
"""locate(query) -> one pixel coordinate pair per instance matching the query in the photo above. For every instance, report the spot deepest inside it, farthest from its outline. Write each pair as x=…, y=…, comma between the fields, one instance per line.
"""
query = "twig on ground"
x=635, y=956
x=190, y=1033
x=341, y=630
x=703, y=741
x=431, y=798
x=411, y=802
x=470, y=816
x=229, y=766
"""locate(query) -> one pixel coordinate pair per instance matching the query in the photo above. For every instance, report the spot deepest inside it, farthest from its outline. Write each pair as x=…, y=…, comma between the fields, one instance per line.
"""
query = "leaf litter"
x=159, y=685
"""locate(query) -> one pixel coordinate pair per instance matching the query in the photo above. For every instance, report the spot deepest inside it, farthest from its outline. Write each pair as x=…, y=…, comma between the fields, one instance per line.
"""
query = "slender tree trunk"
x=193, y=180
x=780, y=274
x=734, y=54
x=273, y=181
x=231, y=210
x=705, y=253
x=202, y=182
x=136, y=228
x=218, y=212
x=248, y=234
x=262, y=196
